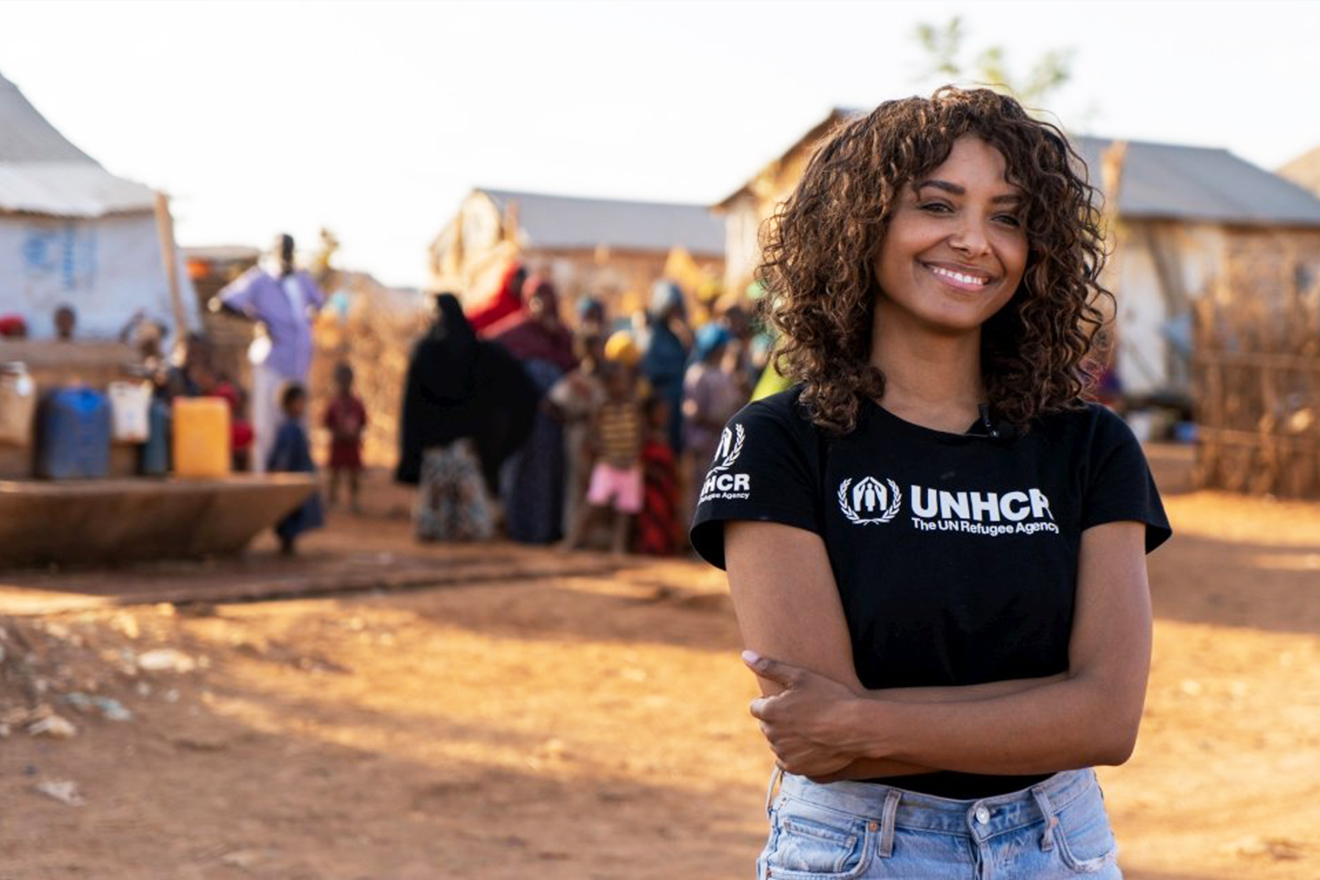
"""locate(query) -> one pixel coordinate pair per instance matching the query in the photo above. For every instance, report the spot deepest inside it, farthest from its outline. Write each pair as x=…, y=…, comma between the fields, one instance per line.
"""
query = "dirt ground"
x=576, y=717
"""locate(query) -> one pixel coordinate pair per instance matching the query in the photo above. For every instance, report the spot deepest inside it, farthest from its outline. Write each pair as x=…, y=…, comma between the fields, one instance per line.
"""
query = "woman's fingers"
x=785, y=719
x=774, y=670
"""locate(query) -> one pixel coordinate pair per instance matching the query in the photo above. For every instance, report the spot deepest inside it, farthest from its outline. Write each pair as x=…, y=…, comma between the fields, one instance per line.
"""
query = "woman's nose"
x=970, y=238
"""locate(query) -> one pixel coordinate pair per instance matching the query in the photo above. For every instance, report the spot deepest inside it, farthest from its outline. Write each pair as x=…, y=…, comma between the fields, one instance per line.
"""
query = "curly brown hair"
x=821, y=246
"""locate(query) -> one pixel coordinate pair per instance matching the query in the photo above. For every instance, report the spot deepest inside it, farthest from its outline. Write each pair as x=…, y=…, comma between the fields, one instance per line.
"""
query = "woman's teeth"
x=958, y=276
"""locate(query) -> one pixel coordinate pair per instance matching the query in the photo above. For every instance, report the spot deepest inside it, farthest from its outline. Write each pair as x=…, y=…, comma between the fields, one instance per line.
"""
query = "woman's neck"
x=933, y=380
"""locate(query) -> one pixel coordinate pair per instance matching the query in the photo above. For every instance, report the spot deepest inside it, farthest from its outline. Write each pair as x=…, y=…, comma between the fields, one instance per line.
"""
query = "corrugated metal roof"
x=1174, y=181
x=1201, y=183
x=574, y=223
x=69, y=189
x=26, y=136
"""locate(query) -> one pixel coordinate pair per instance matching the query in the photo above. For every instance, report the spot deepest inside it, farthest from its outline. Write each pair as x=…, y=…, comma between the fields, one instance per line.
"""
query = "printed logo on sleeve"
x=731, y=444
x=720, y=484
x=1024, y=512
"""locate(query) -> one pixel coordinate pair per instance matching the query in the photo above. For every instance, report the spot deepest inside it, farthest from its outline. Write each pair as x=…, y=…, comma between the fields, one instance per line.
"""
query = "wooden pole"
x=165, y=232
x=1112, y=161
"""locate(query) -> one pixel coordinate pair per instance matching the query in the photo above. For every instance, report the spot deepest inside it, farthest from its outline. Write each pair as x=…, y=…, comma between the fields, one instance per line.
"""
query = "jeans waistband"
x=980, y=818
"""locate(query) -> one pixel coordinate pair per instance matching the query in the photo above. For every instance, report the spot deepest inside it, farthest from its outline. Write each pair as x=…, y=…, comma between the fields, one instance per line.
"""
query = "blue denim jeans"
x=859, y=830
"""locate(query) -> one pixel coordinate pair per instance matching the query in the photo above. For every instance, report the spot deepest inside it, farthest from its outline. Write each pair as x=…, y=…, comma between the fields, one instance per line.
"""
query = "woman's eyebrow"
x=944, y=185
x=957, y=190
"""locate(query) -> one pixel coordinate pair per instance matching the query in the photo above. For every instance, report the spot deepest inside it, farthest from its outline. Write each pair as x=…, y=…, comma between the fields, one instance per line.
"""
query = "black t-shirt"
x=955, y=555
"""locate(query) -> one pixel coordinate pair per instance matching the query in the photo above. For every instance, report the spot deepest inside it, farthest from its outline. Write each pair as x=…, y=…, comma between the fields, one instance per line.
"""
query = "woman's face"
x=542, y=307
x=956, y=247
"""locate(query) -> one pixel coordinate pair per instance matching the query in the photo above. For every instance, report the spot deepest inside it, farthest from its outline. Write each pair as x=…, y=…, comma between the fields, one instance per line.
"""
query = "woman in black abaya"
x=467, y=406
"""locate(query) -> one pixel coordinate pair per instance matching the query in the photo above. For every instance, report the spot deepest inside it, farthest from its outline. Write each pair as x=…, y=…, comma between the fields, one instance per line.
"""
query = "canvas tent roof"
x=1174, y=181
x=66, y=189
x=575, y=223
x=41, y=172
x=26, y=136
x=73, y=234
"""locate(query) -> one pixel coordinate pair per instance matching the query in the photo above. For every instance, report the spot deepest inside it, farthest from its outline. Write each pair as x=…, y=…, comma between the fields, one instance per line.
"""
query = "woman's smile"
x=959, y=279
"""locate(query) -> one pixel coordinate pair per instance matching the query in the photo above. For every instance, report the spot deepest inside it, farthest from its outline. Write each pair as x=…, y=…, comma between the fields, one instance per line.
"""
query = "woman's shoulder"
x=1088, y=423
x=783, y=410
x=1083, y=412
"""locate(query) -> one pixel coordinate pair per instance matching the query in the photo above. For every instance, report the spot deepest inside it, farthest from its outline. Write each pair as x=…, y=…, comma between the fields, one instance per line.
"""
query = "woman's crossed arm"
x=822, y=723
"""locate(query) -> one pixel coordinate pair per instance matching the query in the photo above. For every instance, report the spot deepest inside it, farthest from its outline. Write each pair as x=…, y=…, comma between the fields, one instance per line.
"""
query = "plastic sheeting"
x=107, y=269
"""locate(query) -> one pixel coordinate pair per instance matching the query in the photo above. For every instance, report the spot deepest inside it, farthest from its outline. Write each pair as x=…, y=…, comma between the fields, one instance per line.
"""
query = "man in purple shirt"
x=285, y=301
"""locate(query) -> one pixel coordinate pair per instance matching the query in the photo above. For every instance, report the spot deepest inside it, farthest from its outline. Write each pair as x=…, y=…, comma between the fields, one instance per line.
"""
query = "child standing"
x=240, y=429
x=346, y=419
x=292, y=454
x=657, y=524
x=576, y=397
x=616, y=478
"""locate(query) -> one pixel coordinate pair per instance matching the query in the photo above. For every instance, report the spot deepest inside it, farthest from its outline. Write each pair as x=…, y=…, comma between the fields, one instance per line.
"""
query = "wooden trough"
x=97, y=522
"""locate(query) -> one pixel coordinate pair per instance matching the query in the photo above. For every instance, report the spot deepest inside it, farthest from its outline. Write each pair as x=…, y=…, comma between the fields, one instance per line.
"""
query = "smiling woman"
x=1033, y=209
x=955, y=249
x=936, y=553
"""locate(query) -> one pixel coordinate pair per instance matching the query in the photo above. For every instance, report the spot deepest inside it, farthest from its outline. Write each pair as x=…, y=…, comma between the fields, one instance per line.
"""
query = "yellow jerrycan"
x=201, y=437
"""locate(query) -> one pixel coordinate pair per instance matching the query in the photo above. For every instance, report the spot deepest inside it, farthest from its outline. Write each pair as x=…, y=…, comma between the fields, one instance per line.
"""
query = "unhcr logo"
x=869, y=501
x=720, y=484
x=731, y=444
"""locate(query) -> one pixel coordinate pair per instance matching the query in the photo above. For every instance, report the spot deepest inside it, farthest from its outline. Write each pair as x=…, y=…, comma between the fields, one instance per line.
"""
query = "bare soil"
x=579, y=717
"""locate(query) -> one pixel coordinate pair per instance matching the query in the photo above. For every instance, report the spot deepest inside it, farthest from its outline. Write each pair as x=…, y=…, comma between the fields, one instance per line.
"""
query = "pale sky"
x=375, y=119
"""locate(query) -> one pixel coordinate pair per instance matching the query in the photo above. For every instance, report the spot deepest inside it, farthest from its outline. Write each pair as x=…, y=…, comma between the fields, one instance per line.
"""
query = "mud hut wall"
x=1271, y=263
x=746, y=213
x=1146, y=361
x=742, y=247
x=464, y=252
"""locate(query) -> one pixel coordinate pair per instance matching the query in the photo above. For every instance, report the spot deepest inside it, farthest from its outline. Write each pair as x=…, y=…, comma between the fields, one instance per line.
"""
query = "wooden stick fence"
x=1256, y=378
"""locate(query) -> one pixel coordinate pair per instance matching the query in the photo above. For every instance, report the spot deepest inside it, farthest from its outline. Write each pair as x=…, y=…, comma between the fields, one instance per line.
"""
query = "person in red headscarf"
x=533, y=488
x=506, y=301
x=536, y=333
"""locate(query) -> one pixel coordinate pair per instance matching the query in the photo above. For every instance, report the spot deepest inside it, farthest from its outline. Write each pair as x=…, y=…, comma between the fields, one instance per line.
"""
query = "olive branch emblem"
x=853, y=518
x=739, y=436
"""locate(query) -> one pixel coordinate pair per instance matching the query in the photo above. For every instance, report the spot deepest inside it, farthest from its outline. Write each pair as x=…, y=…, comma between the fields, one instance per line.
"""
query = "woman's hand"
x=801, y=723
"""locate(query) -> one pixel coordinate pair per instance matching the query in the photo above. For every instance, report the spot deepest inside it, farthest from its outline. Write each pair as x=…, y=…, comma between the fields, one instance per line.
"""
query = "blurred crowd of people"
x=521, y=417
x=598, y=433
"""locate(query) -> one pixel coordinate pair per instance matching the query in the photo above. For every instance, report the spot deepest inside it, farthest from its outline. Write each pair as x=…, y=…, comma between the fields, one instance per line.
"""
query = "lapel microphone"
x=994, y=429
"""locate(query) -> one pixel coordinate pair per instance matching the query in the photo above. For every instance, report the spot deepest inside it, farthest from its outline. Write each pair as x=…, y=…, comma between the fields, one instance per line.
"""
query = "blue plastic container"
x=74, y=435
x=155, y=461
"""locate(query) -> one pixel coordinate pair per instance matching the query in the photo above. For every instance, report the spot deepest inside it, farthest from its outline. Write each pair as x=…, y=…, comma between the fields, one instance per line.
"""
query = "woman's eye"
x=935, y=207
x=1010, y=219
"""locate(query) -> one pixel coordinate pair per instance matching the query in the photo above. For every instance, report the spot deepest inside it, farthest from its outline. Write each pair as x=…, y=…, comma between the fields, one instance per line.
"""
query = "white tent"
x=73, y=234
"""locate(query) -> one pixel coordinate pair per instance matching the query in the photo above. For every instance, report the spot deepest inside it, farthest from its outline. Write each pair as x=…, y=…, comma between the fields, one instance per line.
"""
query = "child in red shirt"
x=657, y=525
x=346, y=419
x=206, y=382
